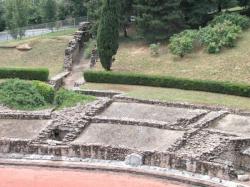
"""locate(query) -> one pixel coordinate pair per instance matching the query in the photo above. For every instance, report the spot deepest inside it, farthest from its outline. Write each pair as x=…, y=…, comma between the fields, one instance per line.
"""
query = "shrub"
x=66, y=98
x=89, y=47
x=45, y=90
x=41, y=74
x=234, y=18
x=154, y=49
x=168, y=82
x=20, y=94
x=183, y=43
x=218, y=36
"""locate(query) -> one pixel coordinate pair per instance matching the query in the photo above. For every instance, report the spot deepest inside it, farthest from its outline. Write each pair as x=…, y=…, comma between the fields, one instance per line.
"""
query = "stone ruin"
x=205, y=140
x=72, y=52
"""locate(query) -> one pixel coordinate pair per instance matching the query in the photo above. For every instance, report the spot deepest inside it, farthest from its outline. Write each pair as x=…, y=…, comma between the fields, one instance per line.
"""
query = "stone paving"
x=22, y=129
x=200, y=140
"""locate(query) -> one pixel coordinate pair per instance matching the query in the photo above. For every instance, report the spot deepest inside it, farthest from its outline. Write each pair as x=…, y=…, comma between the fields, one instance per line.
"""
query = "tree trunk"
x=125, y=31
x=219, y=7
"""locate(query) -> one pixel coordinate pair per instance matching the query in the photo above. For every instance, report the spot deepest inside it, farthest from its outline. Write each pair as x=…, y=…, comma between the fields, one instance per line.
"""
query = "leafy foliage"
x=108, y=32
x=19, y=94
x=220, y=35
x=237, y=19
x=158, y=20
x=183, y=43
x=46, y=90
x=16, y=16
x=222, y=32
x=154, y=49
x=2, y=16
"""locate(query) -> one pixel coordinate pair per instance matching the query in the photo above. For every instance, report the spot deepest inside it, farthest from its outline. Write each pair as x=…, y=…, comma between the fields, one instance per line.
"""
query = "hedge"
x=41, y=74
x=46, y=90
x=168, y=82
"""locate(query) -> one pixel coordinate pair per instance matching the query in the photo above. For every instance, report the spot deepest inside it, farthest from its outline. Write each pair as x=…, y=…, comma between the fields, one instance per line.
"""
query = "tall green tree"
x=35, y=12
x=196, y=12
x=17, y=16
x=158, y=20
x=108, y=32
x=2, y=16
x=77, y=8
x=93, y=13
x=223, y=4
x=126, y=12
x=49, y=10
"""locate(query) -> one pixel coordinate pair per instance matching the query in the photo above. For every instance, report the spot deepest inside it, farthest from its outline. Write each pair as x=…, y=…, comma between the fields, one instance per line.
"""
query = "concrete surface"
x=234, y=124
x=21, y=129
x=133, y=137
x=149, y=112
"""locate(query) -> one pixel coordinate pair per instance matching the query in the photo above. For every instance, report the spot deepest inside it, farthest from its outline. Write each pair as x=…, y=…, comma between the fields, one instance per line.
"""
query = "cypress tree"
x=158, y=20
x=108, y=32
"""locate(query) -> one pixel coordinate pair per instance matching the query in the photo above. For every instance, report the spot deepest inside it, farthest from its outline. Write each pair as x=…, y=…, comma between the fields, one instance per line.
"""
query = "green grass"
x=231, y=65
x=47, y=51
x=66, y=98
x=175, y=95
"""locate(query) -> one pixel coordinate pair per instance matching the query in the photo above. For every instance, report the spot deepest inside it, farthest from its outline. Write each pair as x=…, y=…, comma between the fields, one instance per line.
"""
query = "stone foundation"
x=195, y=146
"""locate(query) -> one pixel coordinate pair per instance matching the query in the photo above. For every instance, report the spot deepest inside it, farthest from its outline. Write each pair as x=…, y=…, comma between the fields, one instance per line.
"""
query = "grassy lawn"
x=175, y=95
x=47, y=51
x=230, y=65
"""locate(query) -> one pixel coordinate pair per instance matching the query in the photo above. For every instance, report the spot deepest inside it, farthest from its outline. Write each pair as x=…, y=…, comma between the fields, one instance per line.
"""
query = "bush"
x=154, y=49
x=46, y=90
x=66, y=98
x=242, y=21
x=89, y=47
x=20, y=94
x=218, y=36
x=41, y=74
x=168, y=82
x=183, y=43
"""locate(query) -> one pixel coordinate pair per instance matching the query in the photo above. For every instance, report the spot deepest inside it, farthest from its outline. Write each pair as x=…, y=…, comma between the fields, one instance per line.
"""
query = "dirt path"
x=76, y=76
x=41, y=177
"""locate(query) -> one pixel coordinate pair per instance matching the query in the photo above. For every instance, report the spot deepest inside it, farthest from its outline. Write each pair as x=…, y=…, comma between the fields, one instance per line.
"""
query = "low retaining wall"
x=97, y=93
x=163, y=160
x=58, y=80
x=34, y=115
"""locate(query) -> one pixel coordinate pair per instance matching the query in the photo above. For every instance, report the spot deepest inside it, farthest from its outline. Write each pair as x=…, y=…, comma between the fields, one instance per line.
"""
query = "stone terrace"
x=197, y=139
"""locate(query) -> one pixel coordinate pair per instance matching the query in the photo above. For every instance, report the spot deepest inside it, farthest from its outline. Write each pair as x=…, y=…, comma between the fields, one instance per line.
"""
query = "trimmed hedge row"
x=41, y=74
x=168, y=82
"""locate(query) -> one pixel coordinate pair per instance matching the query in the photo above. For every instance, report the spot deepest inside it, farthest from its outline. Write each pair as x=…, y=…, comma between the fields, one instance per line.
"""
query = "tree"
x=158, y=20
x=35, y=13
x=77, y=8
x=93, y=13
x=2, y=16
x=223, y=4
x=17, y=16
x=49, y=10
x=196, y=12
x=108, y=32
x=126, y=11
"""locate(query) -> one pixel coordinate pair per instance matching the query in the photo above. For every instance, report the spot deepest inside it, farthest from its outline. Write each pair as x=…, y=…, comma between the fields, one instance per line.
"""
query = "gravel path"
x=76, y=76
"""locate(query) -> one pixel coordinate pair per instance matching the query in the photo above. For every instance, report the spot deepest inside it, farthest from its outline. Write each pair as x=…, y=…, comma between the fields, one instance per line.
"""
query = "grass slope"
x=47, y=51
x=230, y=65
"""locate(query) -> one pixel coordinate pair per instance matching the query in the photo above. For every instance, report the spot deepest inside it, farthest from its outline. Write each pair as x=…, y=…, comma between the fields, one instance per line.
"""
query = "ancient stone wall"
x=72, y=52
